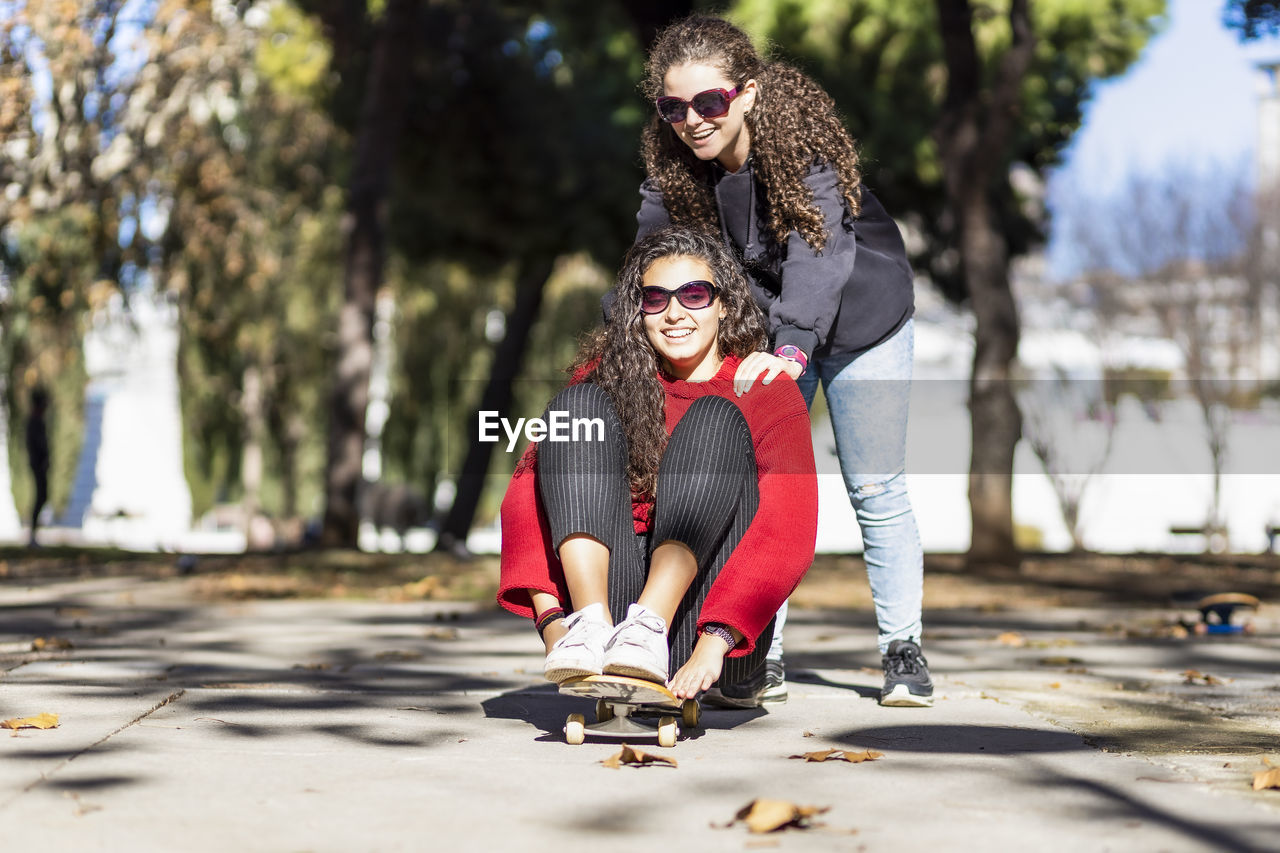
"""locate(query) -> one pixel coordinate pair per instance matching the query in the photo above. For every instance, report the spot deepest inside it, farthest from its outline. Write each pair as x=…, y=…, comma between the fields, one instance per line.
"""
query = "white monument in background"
x=130, y=488
x=10, y=522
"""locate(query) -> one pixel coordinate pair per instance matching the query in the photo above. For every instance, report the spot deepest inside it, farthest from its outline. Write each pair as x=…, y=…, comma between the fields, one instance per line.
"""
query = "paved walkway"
x=354, y=726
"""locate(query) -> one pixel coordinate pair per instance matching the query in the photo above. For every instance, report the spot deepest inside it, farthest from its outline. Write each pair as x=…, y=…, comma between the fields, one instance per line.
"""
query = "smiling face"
x=726, y=138
x=685, y=340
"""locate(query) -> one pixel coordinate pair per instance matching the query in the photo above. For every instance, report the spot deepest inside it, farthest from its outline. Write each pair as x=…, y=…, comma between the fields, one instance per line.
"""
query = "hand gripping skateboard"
x=619, y=700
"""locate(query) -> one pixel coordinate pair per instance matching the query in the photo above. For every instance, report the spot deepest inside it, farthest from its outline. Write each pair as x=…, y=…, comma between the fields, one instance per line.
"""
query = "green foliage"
x=521, y=139
x=293, y=54
x=440, y=366
x=881, y=60
x=519, y=134
x=47, y=258
x=59, y=223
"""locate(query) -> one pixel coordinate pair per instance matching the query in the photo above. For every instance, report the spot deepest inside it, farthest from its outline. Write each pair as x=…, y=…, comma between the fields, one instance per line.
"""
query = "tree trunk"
x=251, y=455
x=530, y=287
x=993, y=410
x=974, y=135
x=364, y=231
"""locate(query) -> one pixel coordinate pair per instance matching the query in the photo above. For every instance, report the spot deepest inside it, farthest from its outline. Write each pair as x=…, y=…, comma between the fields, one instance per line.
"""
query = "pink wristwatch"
x=791, y=352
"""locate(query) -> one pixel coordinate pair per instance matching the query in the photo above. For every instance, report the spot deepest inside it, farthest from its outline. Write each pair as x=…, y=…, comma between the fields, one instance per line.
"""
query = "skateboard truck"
x=621, y=702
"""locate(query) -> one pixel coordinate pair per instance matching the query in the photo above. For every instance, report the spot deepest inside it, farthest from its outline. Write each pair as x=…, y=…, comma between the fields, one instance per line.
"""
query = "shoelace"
x=577, y=630
x=905, y=661
x=648, y=622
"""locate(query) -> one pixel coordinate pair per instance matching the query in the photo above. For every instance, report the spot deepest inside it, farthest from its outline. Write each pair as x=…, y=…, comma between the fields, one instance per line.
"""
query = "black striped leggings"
x=706, y=497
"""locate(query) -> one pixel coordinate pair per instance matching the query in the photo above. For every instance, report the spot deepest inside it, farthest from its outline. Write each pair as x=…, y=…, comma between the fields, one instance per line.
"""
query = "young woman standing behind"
x=756, y=152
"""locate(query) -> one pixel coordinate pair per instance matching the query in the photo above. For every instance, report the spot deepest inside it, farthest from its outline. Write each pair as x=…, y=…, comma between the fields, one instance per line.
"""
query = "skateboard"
x=1216, y=612
x=619, y=700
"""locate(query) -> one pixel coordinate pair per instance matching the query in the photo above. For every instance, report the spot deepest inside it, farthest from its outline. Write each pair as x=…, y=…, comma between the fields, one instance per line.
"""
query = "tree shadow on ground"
x=1031, y=749
x=1114, y=802
x=962, y=739
x=545, y=709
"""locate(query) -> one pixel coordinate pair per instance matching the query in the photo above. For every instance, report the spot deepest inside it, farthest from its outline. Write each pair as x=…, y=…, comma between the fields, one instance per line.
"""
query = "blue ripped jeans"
x=868, y=402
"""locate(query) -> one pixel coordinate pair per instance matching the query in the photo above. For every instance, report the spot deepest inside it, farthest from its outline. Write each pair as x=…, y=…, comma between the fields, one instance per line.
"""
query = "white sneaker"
x=638, y=647
x=581, y=650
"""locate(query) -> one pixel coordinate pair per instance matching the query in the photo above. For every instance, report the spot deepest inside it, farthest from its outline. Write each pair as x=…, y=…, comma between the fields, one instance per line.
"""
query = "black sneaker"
x=775, y=682
x=906, y=677
x=744, y=694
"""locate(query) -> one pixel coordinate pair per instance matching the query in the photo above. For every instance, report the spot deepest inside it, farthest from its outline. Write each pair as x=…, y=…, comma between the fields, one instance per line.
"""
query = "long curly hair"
x=620, y=359
x=793, y=124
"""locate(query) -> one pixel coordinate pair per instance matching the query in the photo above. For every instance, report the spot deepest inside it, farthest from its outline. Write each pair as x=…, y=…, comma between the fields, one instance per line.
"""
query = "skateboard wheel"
x=667, y=731
x=690, y=713
x=575, y=729
x=604, y=711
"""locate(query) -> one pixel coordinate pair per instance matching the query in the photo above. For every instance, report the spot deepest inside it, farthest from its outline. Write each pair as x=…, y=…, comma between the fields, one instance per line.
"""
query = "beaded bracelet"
x=722, y=631
x=545, y=620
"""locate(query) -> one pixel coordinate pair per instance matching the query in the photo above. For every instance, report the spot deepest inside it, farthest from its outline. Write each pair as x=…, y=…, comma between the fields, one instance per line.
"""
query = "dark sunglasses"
x=692, y=295
x=712, y=103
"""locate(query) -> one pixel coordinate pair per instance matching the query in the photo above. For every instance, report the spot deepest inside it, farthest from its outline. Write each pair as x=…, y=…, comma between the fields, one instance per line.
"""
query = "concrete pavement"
x=341, y=725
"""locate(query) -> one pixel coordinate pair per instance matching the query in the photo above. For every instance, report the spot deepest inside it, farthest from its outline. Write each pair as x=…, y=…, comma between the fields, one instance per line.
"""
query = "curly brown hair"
x=620, y=359
x=793, y=124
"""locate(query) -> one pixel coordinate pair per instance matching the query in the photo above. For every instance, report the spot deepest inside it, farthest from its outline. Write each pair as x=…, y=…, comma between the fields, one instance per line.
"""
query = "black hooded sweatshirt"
x=834, y=304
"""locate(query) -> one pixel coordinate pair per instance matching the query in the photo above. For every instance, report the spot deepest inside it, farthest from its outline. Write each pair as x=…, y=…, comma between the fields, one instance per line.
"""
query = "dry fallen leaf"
x=82, y=808
x=631, y=755
x=1192, y=676
x=51, y=644
x=841, y=755
x=770, y=815
x=41, y=721
x=1266, y=779
x=1011, y=638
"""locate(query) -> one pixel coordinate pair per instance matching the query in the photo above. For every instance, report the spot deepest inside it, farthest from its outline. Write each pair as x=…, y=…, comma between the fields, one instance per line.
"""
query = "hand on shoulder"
x=765, y=367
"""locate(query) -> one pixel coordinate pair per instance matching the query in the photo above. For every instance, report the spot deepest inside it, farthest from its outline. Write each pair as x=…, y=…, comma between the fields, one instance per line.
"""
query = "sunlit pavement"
x=338, y=725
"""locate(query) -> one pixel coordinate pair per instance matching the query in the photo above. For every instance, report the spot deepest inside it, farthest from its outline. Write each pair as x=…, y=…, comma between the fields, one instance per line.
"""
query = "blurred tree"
x=1179, y=248
x=521, y=122
x=246, y=220
x=1253, y=18
x=364, y=226
x=946, y=98
x=179, y=146
x=565, y=126
x=62, y=102
x=975, y=135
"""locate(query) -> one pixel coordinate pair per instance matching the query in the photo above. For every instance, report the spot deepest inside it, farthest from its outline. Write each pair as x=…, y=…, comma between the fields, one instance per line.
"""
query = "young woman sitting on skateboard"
x=695, y=513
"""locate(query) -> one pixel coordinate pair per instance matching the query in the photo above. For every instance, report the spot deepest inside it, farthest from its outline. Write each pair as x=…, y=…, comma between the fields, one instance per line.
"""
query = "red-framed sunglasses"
x=712, y=103
x=692, y=295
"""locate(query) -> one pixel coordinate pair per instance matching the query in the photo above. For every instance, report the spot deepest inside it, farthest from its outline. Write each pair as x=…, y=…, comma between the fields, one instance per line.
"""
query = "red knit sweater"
x=770, y=560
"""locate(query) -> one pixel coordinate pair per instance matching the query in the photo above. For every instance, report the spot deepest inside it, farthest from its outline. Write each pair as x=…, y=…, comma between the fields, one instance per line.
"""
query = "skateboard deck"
x=1216, y=612
x=619, y=701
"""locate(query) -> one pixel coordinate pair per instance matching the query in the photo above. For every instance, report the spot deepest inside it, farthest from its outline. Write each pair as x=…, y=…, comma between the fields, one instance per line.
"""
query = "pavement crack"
x=45, y=777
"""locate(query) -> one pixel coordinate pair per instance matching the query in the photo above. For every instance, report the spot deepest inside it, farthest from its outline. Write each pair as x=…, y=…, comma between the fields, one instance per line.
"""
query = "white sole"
x=902, y=697
x=563, y=673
